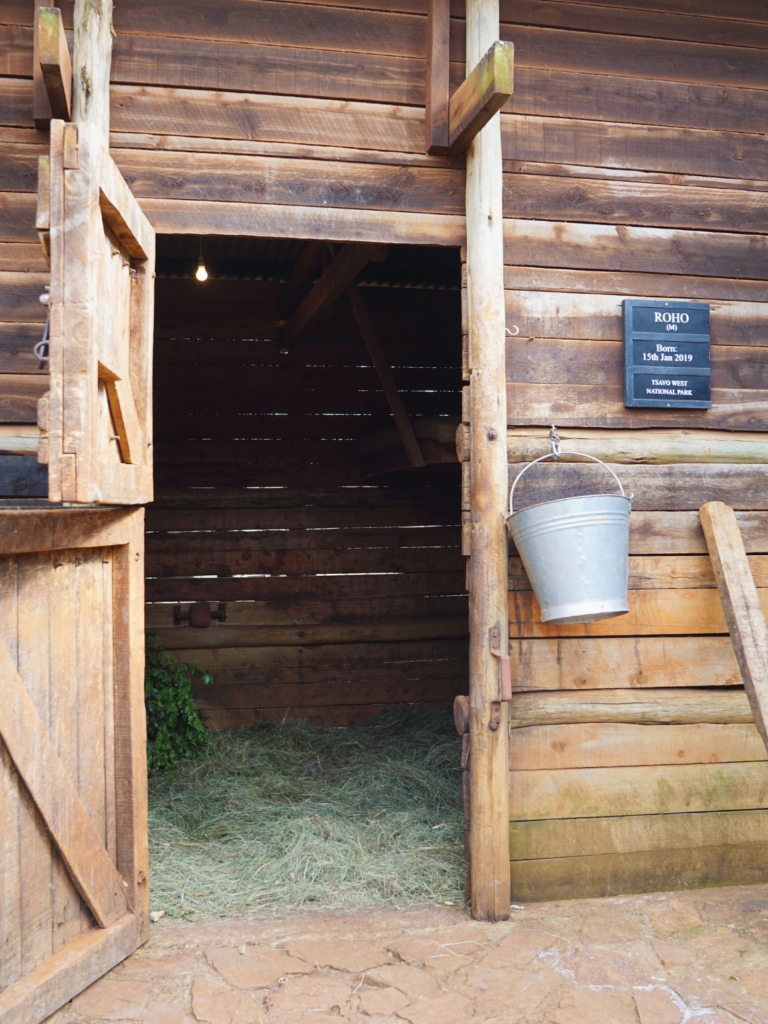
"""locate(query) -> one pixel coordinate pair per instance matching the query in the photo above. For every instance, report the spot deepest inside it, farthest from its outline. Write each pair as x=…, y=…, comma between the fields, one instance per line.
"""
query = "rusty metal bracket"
x=494, y=644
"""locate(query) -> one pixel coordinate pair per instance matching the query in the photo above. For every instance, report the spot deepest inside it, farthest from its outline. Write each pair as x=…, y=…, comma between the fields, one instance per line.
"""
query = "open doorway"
x=284, y=495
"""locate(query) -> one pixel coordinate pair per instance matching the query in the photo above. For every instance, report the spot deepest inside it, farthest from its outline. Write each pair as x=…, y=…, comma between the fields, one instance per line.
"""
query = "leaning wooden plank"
x=61, y=977
x=482, y=93
x=123, y=409
x=384, y=373
x=343, y=270
x=27, y=741
x=592, y=663
x=53, y=55
x=666, y=789
x=741, y=603
x=608, y=745
x=647, y=706
x=662, y=447
x=304, y=269
x=649, y=871
x=588, y=837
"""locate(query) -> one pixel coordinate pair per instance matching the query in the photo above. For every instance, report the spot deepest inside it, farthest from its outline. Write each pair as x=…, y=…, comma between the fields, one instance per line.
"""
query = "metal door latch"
x=494, y=644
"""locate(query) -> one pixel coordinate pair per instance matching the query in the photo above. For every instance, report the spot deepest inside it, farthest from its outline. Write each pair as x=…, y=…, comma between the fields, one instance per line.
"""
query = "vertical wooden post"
x=91, y=63
x=489, y=761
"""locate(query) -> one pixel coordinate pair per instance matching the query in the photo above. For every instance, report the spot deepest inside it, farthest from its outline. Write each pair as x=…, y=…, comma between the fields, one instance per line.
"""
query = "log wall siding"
x=342, y=598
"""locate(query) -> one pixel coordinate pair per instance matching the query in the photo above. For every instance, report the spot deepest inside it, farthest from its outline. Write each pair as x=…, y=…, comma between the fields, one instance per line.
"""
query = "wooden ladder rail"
x=741, y=604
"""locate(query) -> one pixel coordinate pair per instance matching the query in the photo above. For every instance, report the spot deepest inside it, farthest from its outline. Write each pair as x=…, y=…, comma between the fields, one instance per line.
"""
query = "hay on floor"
x=282, y=815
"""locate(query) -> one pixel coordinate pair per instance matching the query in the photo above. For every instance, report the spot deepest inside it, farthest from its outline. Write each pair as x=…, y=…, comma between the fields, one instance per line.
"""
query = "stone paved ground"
x=665, y=958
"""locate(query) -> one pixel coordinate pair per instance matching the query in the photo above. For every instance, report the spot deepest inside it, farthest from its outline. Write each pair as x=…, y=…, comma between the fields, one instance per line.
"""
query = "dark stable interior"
x=283, y=491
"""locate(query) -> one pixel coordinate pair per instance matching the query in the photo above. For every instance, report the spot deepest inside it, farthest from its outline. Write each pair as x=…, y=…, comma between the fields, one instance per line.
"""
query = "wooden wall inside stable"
x=343, y=595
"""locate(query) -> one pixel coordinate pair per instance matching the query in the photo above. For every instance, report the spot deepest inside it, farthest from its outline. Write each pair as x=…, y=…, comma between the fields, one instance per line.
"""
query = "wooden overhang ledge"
x=452, y=122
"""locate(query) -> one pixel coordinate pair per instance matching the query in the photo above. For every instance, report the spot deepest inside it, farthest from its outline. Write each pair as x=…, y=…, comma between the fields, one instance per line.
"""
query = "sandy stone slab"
x=216, y=1004
x=446, y=1009
x=657, y=1007
x=111, y=999
x=672, y=916
x=600, y=969
x=674, y=954
x=723, y=944
x=589, y=1007
x=755, y=982
x=341, y=954
x=383, y=1001
x=449, y=963
x=256, y=968
x=610, y=929
x=523, y=944
x=300, y=997
x=751, y=1014
x=417, y=948
x=708, y=991
x=411, y=981
x=170, y=965
x=165, y=1013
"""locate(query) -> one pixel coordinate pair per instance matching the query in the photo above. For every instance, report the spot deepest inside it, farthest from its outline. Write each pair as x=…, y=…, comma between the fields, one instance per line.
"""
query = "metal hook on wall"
x=517, y=331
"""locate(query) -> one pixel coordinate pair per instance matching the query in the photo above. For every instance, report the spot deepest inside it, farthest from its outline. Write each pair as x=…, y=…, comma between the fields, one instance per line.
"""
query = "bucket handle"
x=555, y=455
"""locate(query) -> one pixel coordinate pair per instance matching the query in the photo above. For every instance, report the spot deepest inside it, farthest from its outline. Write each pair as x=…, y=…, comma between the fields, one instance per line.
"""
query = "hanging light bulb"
x=201, y=274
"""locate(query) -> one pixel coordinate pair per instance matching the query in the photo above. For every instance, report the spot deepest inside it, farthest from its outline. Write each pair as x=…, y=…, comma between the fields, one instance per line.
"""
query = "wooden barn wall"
x=342, y=596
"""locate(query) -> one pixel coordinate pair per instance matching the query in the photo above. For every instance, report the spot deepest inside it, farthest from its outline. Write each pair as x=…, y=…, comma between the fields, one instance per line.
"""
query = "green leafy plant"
x=175, y=731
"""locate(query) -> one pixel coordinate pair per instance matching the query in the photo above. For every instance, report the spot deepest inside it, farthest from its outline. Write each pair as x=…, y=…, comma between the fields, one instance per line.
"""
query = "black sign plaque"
x=666, y=354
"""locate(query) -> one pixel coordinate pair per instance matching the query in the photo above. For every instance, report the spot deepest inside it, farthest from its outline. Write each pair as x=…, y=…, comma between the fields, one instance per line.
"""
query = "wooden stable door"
x=74, y=897
x=95, y=422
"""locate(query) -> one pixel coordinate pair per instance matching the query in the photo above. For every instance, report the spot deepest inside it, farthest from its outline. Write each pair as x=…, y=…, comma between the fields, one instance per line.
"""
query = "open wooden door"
x=74, y=893
x=74, y=897
x=95, y=422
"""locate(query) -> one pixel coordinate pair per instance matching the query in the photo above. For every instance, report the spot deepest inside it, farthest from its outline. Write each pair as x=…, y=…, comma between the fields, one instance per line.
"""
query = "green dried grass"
x=282, y=815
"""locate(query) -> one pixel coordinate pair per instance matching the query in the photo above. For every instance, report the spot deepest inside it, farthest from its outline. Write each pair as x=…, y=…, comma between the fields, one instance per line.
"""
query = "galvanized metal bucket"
x=575, y=551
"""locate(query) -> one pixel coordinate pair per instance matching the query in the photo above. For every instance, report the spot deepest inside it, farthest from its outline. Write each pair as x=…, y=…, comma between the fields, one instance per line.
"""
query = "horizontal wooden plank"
x=19, y=296
x=594, y=837
x=659, y=572
x=670, y=150
x=535, y=361
x=270, y=180
x=22, y=257
x=741, y=10
x=258, y=664
x=441, y=673
x=648, y=871
x=371, y=403
x=59, y=529
x=600, y=282
x=305, y=588
x=666, y=789
x=553, y=747
x=550, y=198
x=300, y=695
x=672, y=488
x=293, y=378
x=301, y=613
x=348, y=716
x=676, y=706
x=626, y=248
x=651, y=613
x=308, y=518
x=419, y=537
x=681, y=533
x=297, y=562
x=265, y=451
x=189, y=639
x=177, y=217
x=237, y=474
x=17, y=219
x=608, y=662
x=216, y=114
x=593, y=405
x=590, y=317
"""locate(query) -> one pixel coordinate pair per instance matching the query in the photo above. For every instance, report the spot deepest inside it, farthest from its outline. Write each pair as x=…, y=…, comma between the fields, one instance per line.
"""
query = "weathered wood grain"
x=666, y=789
x=356, y=692
x=651, y=613
x=668, y=706
x=635, y=661
x=554, y=747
